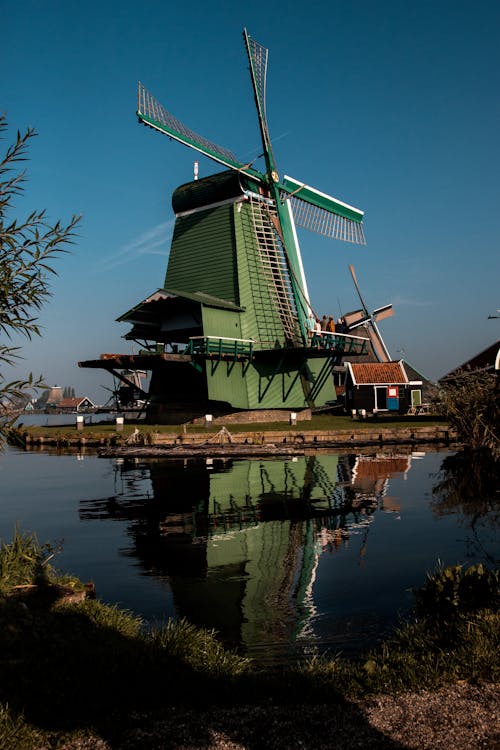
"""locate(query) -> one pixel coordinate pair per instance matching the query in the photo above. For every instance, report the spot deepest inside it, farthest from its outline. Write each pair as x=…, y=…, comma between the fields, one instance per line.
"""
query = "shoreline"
x=245, y=443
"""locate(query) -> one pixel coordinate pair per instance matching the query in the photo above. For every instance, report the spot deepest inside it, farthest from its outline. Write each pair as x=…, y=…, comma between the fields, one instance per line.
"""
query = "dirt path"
x=461, y=717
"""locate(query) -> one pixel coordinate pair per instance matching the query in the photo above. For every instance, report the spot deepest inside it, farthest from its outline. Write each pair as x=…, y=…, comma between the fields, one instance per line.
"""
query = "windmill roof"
x=383, y=373
x=206, y=299
x=216, y=188
x=172, y=298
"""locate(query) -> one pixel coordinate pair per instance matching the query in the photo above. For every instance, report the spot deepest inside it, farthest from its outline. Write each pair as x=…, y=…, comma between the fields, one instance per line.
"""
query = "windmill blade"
x=377, y=341
x=257, y=57
x=369, y=321
x=375, y=337
x=383, y=312
x=354, y=318
x=153, y=114
x=322, y=213
x=353, y=274
x=361, y=322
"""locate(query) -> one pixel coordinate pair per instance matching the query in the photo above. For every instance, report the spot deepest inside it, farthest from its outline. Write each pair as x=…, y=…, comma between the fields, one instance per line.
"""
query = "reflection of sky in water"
x=316, y=551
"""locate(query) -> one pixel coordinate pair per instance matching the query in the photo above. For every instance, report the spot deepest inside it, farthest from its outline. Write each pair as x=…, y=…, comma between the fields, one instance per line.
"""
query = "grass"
x=90, y=669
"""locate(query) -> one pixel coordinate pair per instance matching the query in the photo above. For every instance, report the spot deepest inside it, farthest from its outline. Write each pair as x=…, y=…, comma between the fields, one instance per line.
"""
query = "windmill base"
x=183, y=388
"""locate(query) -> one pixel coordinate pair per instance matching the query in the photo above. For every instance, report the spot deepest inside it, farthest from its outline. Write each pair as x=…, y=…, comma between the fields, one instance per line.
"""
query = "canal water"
x=284, y=558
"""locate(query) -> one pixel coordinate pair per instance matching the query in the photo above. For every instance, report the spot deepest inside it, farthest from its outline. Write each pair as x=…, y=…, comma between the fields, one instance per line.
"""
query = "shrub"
x=452, y=592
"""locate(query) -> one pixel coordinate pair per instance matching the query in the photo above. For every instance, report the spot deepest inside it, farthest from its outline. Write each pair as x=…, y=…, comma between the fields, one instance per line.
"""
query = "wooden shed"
x=380, y=387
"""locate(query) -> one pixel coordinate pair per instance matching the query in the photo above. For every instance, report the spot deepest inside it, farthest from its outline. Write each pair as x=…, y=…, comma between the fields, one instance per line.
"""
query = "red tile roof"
x=382, y=468
x=386, y=373
x=72, y=403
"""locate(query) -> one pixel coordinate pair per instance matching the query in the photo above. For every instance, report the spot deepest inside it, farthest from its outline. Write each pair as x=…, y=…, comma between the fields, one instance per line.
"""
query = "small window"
x=416, y=398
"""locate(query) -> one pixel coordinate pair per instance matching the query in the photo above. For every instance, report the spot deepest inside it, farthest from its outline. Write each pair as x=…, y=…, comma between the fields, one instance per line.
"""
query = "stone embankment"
x=147, y=442
x=278, y=442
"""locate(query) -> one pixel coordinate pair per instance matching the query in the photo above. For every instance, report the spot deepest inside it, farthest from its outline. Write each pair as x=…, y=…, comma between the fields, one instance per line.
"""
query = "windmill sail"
x=152, y=113
x=369, y=320
x=258, y=55
x=323, y=214
x=383, y=312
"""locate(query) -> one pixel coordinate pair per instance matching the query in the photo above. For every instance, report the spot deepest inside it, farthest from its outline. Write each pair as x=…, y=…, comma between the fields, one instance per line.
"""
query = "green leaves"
x=452, y=592
x=470, y=404
x=27, y=250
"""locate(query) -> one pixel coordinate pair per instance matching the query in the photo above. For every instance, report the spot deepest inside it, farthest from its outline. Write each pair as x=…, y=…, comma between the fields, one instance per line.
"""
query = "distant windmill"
x=369, y=320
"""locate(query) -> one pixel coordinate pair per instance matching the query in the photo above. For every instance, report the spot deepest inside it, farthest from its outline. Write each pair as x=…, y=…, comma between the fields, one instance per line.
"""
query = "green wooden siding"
x=203, y=254
x=247, y=387
x=228, y=382
x=224, y=323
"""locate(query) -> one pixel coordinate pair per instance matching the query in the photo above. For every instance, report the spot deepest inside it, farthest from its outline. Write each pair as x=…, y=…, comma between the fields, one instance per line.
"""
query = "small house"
x=77, y=404
x=381, y=387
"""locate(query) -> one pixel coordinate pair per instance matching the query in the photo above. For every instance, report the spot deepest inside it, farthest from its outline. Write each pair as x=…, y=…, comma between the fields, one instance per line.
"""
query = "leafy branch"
x=28, y=249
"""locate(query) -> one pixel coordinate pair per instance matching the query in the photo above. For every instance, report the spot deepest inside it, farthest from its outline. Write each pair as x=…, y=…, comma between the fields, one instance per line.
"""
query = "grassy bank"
x=107, y=433
x=82, y=668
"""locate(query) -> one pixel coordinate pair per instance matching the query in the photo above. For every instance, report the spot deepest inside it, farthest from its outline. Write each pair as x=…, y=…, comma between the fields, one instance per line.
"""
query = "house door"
x=416, y=398
x=393, y=398
x=380, y=398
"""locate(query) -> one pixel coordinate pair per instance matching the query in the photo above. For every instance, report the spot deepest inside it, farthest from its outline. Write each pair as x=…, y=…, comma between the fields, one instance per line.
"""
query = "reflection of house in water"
x=370, y=476
x=239, y=541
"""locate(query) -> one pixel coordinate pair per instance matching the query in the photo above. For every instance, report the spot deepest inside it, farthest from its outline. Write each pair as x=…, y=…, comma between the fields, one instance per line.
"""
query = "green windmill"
x=231, y=327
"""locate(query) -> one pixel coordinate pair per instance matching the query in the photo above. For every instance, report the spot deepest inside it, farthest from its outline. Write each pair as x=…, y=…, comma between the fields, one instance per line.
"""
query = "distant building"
x=486, y=361
x=79, y=403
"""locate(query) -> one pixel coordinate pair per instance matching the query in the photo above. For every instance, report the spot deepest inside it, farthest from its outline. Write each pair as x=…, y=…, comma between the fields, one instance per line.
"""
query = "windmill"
x=369, y=321
x=232, y=320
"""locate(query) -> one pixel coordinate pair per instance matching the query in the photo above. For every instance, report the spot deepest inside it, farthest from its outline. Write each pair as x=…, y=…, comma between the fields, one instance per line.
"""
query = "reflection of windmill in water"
x=237, y=544
x=230, y=328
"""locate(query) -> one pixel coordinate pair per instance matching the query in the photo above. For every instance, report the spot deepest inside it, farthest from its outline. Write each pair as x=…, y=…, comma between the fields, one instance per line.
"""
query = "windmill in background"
x=368, y=320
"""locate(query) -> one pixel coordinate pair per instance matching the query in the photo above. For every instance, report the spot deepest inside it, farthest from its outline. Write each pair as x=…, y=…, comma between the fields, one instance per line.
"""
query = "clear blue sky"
x=390, y=106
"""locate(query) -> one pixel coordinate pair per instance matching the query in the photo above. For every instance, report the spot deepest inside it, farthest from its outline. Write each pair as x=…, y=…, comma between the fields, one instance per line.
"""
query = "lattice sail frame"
x=154, y=114
x=258, y=57
x=325, y=222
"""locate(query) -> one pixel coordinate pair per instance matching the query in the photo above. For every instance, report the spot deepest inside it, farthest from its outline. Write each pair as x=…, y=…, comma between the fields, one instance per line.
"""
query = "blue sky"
x=390, y=106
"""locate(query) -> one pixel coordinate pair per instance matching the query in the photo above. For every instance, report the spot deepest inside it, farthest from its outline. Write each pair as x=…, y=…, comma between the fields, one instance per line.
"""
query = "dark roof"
x=217, y=188
x=484, y=361
x=73, y=403
x=169, y=315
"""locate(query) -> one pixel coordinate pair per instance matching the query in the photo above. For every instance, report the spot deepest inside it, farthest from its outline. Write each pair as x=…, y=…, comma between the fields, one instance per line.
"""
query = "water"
x=284, y=558
x=57, y=420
